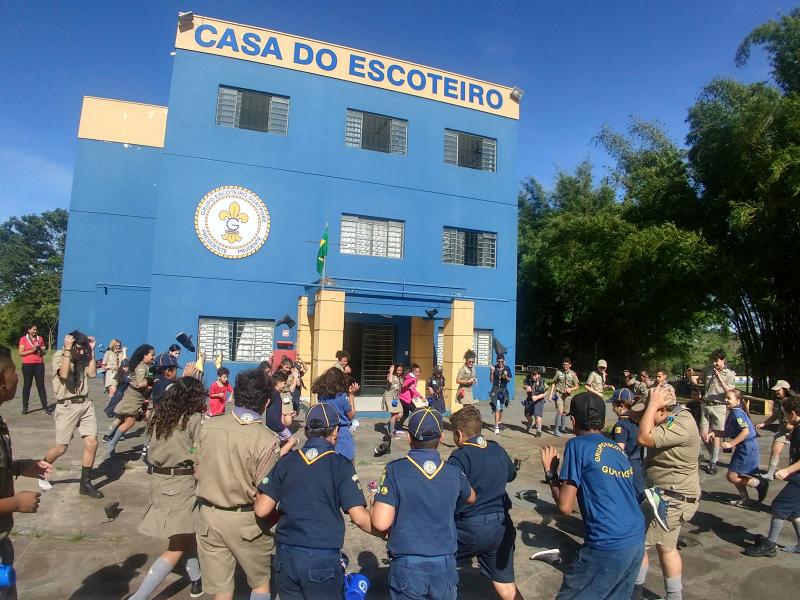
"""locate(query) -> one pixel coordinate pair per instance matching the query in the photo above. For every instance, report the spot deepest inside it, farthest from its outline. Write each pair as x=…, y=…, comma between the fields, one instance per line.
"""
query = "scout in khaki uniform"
x=565, y=382
x=596, y=382
x=10, y=502
x=394, y=379
x=466, y=379
x=782, y=390
x=136, y=394
x=670, y=433
x=719, y=379
x=174, y=429
x=73, y=366
x=235, y=453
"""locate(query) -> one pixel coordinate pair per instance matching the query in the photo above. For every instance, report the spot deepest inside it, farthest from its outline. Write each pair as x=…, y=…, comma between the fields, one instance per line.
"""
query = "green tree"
x=31, y=264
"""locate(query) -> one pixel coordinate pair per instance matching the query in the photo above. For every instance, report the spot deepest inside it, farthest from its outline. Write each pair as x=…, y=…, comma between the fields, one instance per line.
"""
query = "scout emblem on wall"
x=232, y=222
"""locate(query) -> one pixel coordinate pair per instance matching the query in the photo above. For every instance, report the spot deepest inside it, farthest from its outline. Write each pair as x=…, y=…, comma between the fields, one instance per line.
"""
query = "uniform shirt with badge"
x=625, y=432
x=672, y=462
x=465, y=373
x=736, y=421
x=714, y=392
x=312, y=487
x=595, y=382
x=424, y=490
x=235, y=451
x=537, y=388
x=497, y=376
x=179, y=449
x=606, y=494
x=76, y=383
x=563, y=381
x=488, y=469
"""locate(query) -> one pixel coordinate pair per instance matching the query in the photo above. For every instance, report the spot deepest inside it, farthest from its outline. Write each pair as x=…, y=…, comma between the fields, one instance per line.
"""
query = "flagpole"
x=325, y=261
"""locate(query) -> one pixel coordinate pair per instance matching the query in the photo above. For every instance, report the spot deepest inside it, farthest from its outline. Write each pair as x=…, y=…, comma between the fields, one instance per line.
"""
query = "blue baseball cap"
x=623, y=395
x=321, y=416
x=425, y=424
x=164, y=361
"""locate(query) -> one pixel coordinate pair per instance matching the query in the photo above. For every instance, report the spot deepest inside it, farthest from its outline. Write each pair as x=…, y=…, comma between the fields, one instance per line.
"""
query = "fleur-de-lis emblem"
x=233, y=217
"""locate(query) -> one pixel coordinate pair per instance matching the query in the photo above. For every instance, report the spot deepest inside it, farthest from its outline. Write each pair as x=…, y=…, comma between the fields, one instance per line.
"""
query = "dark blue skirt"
x=745, y=458
x=787, y=503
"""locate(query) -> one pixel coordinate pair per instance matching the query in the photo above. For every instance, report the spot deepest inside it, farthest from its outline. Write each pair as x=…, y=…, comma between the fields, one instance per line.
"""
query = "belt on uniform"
x=484, y=518
x=171, y=470
x=679, y=496
x=244, y=508
x=73, y=400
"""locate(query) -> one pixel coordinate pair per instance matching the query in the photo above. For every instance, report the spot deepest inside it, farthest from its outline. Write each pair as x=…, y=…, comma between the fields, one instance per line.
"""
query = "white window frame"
x=371, y=236
x=238, y=340
x=354, y=138
x=481, y=345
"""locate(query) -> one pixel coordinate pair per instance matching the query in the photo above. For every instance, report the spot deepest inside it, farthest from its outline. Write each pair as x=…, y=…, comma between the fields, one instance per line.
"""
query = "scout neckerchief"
x=478, y=441
x=428, y=468
x=311, y=454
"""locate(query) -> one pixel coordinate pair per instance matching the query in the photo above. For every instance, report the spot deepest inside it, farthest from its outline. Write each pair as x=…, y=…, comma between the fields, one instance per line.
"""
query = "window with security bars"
x=472, y=151
x=470, y=248
x=367, y=236
x=481, y=346
x=376, y=132
x=257, y=111
x=238, y=340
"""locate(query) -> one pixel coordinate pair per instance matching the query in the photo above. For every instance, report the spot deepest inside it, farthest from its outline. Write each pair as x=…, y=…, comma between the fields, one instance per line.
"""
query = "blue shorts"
x=436, y=404
x=534, y=409
x=307, y=573
x=345, y=444
x=786, y=504
x=430, y=577
x=491, y=538
x=602, y=574
x=745, y=458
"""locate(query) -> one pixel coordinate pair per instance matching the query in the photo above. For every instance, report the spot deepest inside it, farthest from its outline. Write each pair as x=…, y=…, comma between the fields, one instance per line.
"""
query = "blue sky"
x=581, y=63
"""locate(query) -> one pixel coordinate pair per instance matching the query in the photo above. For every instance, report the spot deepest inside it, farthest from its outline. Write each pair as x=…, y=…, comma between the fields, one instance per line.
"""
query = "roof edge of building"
x=123, y=121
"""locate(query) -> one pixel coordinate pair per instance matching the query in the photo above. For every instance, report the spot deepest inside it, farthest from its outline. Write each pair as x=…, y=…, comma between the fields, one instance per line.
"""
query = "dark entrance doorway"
x=371, y=347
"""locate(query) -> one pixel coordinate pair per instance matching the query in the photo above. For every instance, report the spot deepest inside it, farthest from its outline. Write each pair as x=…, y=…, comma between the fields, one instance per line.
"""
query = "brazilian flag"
x=323, y=251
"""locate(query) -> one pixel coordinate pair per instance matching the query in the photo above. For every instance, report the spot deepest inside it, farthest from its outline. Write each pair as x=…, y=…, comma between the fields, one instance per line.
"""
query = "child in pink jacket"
x=408, y=393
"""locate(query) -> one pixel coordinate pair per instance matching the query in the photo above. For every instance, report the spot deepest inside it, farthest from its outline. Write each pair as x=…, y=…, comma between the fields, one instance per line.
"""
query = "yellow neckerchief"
x=421, y=470
x=316, y=458
x=480, y=442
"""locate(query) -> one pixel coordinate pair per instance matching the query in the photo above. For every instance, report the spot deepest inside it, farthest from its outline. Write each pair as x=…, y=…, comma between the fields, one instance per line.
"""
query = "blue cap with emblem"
x=425, y=424
x=321, y=416
x=164, y=361
x=622, y=396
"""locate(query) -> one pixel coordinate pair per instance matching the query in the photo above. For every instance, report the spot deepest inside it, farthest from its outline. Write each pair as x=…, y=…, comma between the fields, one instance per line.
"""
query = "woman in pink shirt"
x=32, y=350
x=408, y=393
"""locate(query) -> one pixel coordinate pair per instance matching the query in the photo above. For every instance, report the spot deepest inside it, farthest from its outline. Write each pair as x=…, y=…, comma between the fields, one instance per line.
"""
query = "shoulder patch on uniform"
x=312, y=453
x=618, y=429
x=429, y=467
x=356, y=480
x=265, y=481
x=384, y=490
x=670, y=422
x=741, y=422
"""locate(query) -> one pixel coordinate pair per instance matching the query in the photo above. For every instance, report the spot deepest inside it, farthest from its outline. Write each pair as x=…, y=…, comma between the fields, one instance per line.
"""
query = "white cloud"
x=31, y=184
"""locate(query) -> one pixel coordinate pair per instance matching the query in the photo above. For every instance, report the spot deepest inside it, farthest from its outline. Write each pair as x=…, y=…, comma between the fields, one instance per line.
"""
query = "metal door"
x=377, y=354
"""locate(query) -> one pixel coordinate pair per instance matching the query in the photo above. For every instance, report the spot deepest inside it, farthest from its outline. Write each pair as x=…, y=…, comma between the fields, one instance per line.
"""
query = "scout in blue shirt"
x=743, y=471
x=597, y=473
x=311, y=488
x=485, y=528
x=500, y=374
x=417, y=498
x=625, y=431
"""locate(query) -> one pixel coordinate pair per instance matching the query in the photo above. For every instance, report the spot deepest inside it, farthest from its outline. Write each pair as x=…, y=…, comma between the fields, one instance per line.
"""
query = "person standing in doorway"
x=73, y=366
x=500, y=374
x=564, y=384
x=32, y=350
x=719, y=380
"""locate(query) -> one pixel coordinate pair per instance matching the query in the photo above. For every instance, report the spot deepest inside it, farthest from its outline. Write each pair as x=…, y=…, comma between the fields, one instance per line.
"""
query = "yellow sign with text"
x=329, y=60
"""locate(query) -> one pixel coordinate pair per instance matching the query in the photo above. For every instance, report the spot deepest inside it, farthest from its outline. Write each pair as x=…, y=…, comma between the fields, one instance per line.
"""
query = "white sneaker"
x=45, y=485
x=497, y=429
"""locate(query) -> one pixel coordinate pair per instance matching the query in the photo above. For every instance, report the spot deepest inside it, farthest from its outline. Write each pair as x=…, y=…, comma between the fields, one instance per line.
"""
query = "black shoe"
x=762, y=489
x=87, y=489
x=24, y=411
x=48, y=412
x=711, y=469
x=197, y=589
x=106, y=438
x=765, y=548
x=537, y=434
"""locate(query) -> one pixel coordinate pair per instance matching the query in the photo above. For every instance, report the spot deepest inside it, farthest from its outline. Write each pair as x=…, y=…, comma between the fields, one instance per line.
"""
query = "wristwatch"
x=551, y=477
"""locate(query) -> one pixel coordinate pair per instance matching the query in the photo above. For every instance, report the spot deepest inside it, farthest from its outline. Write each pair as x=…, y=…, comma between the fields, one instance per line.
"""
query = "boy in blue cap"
x=417, y=498
x=311, y=488
x=625, y=431
x=485, y=529
x=597, y=473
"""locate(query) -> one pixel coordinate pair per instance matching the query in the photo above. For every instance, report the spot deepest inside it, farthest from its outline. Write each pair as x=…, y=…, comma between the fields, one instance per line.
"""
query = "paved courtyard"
x=70, y=549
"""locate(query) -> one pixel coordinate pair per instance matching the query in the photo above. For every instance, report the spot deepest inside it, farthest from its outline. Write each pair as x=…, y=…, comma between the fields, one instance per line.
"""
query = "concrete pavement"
x=70, y=549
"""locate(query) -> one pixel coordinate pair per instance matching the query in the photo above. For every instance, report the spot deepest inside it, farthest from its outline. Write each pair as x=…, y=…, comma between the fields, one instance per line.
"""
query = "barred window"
x=368, y=236
x=239, y=340
x=257, y=111
x=470, y=248
x=481, y=345
x=375, y=132
x=472, y=151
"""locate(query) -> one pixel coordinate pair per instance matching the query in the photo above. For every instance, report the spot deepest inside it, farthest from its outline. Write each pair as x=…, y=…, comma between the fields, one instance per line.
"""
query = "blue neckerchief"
x=320, y=444
x=245, y=416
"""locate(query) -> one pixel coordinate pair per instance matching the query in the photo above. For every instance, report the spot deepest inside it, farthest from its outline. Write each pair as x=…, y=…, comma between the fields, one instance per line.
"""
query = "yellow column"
x=422, y=340
x=328, y=330
x=458, y=331
x=303, y=331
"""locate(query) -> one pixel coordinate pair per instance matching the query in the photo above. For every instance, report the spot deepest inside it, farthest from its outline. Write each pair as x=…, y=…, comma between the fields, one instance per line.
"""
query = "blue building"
x=205, y=216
